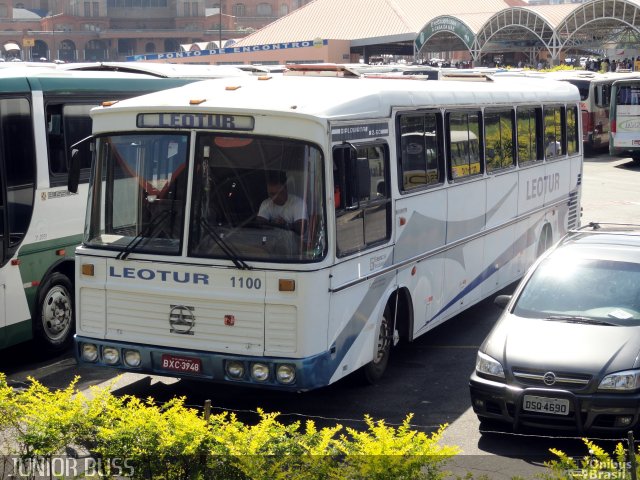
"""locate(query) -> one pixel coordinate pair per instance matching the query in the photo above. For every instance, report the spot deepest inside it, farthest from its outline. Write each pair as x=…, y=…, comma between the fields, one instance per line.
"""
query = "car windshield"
x=252, y=198
x=568, y=289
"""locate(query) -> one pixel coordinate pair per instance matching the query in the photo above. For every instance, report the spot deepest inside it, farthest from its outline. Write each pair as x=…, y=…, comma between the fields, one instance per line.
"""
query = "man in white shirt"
x=282, y=208
x=553, y=147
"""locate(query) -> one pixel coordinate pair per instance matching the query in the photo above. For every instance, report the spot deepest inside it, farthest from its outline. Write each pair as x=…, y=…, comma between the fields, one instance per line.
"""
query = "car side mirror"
x=502, y=300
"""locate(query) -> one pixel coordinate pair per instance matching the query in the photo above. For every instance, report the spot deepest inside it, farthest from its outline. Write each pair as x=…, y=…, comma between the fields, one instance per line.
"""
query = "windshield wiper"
x=580, y=319
x=150, y=230
x=225, y=247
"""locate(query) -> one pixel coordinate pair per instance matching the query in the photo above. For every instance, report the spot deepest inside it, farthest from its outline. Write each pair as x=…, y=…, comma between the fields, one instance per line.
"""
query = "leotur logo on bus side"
x=537, y=187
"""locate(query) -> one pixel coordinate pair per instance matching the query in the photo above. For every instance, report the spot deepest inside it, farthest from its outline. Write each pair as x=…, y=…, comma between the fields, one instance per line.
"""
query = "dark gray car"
x=565, y=354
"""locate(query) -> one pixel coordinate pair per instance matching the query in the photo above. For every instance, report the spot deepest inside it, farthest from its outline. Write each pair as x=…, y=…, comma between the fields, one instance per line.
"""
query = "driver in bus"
x=282, y=208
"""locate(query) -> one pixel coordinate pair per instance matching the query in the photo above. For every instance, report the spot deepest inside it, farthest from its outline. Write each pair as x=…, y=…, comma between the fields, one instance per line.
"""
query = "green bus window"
x=499, y=140
x=527, y=119
x=463, y=142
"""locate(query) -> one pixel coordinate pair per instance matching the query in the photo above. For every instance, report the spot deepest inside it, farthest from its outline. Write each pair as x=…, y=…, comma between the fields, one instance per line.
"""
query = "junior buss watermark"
x=68, y=468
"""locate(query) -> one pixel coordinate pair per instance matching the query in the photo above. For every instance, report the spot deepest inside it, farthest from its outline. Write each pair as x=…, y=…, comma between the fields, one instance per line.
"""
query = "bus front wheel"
x=373, y=371
x=54, y=324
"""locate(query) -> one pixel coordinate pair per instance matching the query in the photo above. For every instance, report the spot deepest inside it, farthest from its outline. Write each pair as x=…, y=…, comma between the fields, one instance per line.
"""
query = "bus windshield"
x=628, y=94
x=252, y=198
x=583, y=87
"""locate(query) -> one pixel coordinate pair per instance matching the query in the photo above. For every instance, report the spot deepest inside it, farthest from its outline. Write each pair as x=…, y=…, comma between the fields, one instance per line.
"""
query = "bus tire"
x=374, y=370
x=54, y=324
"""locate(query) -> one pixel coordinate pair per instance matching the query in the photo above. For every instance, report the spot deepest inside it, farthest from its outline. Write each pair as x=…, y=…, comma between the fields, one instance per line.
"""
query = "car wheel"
x=374, y=370
x=54, y=323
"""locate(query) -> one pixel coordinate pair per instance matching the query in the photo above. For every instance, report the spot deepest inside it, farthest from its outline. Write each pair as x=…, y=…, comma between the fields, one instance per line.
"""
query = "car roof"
x=605, y=241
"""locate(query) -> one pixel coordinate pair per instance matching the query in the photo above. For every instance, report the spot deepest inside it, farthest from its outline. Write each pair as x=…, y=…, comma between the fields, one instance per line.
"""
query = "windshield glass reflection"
x=575, y=289
x=252, y=198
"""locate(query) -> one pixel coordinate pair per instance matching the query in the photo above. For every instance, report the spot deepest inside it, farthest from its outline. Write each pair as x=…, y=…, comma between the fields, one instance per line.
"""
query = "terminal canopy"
x=567, y=28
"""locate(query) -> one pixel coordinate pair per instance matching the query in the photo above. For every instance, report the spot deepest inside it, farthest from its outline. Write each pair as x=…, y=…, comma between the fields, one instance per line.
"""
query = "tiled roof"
x=366, y=19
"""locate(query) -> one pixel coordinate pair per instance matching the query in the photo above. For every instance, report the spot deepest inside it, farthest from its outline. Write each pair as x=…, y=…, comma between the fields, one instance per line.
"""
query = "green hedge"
x=134, y=438
x=141, y=439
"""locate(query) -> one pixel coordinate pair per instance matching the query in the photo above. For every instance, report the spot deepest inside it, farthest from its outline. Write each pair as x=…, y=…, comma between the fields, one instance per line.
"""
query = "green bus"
x=43, y=112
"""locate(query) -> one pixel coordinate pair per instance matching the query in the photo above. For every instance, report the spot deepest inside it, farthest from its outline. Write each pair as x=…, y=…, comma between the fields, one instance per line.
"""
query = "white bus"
x=178, y=274
x=625, y=118
x=43, y=111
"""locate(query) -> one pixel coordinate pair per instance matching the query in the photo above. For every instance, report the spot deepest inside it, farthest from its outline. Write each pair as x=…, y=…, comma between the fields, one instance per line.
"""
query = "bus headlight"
x=234, y=369
x=286, y=373
x=260, y=372
x=110, y=355
x=132, y=358
x=89, y=352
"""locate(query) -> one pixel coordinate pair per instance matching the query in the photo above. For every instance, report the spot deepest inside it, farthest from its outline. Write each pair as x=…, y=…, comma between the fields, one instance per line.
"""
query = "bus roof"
x=628, y=80
x=160, y=69
x=69, y=82
x=339, y=98
x=569, y=75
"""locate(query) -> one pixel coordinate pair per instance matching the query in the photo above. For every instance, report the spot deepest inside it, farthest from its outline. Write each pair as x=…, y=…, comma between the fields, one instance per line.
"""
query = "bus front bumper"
x=300, y=374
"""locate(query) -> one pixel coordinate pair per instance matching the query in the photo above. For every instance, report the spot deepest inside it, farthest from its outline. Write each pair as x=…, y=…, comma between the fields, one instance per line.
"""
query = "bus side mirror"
x=73, y=178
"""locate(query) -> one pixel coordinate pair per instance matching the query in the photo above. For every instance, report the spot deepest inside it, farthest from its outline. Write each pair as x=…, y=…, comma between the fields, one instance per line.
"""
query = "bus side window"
x=55, y=140
x=572, y=130
x=67, y=125
x=554, y=117
x=363, y=217
x=18, y=155
x=420, y=151
x=499, y=140
x=463, y=140
x=529, y=128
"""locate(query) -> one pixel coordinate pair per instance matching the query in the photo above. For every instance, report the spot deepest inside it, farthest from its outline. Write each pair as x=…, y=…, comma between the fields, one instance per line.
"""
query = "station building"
x=99, y=30
x=482, y=33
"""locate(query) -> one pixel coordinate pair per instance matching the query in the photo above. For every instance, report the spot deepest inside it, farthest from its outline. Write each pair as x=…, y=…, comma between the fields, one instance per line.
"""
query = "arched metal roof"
x=546, y=27
x=449, y=32
x=599, y=21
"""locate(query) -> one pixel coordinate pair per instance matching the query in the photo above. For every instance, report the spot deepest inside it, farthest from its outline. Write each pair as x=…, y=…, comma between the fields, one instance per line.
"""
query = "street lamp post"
x=220, y=15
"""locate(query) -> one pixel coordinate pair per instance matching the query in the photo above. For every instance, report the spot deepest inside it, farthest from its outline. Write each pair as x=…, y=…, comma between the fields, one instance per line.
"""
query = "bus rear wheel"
x=374, y=370
x=546, y=239
x=54, y=324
